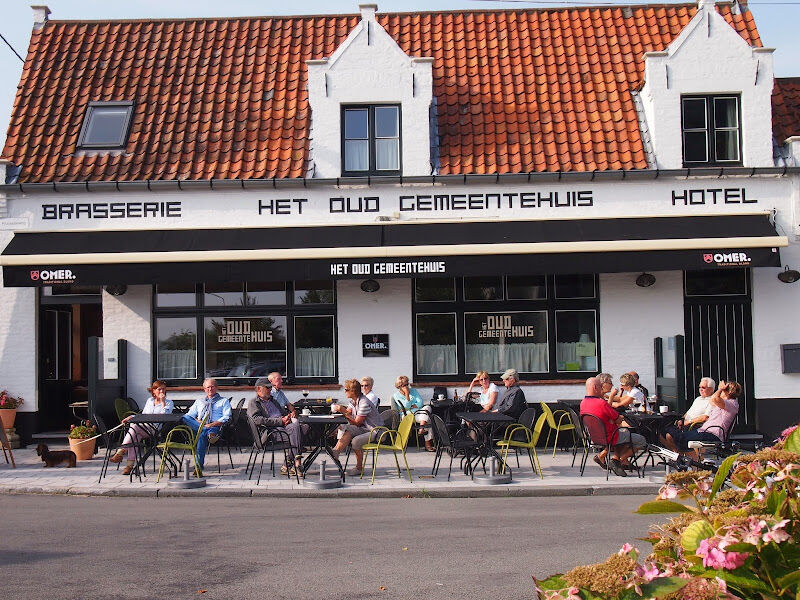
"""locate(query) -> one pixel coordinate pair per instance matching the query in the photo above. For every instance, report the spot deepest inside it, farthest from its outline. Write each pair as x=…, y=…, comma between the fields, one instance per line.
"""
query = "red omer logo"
x=709, y=258
x=34, y=275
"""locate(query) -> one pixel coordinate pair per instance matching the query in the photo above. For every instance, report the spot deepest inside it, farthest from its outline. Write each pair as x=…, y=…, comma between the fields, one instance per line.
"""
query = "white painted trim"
x=396, y=251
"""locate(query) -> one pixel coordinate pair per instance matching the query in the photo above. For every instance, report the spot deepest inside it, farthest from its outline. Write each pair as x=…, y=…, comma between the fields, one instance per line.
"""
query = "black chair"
x=596, y=430
x=133, y=406
x=276, y=440
x=581, y=439
x=460, y=444
x=113, y=443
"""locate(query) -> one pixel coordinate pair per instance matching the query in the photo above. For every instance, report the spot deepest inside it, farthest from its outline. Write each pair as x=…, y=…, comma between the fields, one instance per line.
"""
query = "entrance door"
x=719, y=334
x=64, y=330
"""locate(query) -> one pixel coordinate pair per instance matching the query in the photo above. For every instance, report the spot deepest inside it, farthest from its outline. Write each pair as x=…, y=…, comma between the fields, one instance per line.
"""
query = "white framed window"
x=106, y=125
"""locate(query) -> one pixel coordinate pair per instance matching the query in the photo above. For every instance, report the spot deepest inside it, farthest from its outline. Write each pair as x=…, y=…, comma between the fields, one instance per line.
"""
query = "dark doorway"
x=719, y=334
x=65, y=324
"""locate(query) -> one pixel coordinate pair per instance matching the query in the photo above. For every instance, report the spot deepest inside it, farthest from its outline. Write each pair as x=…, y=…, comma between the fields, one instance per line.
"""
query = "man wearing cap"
x=271, y=410
x=513, y=401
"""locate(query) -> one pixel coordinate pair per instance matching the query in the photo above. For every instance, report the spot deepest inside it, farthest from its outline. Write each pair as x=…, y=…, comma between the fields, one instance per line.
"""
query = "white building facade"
x=382, y=258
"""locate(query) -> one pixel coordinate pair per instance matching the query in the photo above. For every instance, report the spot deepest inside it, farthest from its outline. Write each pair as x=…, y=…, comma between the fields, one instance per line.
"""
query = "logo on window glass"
x=500, y=326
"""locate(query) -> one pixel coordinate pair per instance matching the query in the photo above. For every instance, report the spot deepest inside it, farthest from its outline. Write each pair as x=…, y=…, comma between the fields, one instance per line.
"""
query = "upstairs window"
x=371, y=140
x=106, y=125
x=711, y=130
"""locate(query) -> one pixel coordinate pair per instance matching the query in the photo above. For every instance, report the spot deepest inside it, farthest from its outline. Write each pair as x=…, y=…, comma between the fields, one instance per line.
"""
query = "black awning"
x=433, y=249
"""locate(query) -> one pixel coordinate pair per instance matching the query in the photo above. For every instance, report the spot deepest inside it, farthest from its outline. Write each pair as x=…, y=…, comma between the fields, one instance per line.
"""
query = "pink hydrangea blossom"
x=667, y=492
x=626, y=548
x=715, y=557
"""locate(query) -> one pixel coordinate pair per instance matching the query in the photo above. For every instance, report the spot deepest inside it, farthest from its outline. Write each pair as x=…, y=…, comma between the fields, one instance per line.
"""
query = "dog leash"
x=99, y=434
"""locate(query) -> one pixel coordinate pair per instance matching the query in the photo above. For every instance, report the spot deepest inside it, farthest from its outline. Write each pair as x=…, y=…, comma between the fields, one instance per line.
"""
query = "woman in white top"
x=156, y=404
x=631, y=395
x=489, y=390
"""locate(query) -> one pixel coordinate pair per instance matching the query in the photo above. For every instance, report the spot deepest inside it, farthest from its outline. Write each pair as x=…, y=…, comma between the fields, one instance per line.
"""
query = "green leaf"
x=792, y=443
x=663, y=586
x=742, y=578
x=775, y=500
x=722, y=474
x=663, y=506
x=554, y=582
x=694, y=534
x=788, y=580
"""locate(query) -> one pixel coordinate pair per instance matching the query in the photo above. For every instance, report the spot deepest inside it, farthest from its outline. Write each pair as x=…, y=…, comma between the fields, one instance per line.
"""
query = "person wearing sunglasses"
x=724, y=409
x=488, y=393
x=701, y=408
x=367, y=383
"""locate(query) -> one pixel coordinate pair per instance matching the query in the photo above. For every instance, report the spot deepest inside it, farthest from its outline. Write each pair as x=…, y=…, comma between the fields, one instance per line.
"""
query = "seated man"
x=623, y=442
x=268, y=412
x=701, y=408
x=512, y=402
x=724, y=409
x=638, y=385
x=218, y=410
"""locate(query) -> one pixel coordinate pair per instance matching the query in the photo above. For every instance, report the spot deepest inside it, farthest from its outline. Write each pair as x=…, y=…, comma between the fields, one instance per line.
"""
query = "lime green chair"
x=528, y=441
x=182, y=438
x=394, y=440
x=564, y=424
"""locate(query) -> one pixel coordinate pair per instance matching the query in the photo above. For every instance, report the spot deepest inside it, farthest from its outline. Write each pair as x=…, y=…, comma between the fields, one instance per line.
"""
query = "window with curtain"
x=239, y=331
x=711, y=130
x=544, y=326
x=371, y=140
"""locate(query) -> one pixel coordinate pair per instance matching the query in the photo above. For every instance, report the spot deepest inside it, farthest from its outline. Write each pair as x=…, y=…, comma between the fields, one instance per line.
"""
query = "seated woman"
x=410, y=401
x=629, y=394
x=607, y=381
x=488, y=392
x=362, y=417
x=156, y=404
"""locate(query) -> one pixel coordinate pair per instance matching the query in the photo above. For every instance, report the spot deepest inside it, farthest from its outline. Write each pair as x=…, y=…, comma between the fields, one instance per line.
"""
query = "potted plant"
x=80, y=440
x=8, y=408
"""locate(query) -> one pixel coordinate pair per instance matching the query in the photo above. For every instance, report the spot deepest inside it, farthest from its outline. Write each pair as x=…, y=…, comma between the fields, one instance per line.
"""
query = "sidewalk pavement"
x=560, y=479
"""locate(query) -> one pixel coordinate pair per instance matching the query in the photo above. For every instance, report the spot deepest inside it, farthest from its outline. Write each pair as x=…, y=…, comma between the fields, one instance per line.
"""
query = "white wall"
x=775, y=311
x=370, y=68
x=18, y=354
x=386, y=311
x=708, y=57
x=128, y=317
x=630, y=317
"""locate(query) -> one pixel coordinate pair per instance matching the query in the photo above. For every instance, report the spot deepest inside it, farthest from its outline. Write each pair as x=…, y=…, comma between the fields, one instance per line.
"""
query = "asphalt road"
x=54, y=547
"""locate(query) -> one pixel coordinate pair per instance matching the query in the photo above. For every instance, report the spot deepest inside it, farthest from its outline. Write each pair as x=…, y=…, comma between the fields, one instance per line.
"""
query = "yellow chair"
x=551, y=417
x=530, y=438
x=186, y=442
x=397, y=443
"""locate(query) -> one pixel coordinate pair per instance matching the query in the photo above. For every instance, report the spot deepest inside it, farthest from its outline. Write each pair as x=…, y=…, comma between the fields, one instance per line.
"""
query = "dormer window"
x=106, y=125
x=371, y=140
x=711, y=130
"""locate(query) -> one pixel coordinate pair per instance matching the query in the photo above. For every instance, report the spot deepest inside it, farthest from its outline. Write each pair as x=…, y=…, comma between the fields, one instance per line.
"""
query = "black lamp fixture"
x=370, y=285
x=645, y=280
x=788, y=275
x=116, y=290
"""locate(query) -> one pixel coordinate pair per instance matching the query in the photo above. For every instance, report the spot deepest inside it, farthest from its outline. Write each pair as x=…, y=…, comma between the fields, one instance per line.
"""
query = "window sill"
x=223, y=388
x=524, y=382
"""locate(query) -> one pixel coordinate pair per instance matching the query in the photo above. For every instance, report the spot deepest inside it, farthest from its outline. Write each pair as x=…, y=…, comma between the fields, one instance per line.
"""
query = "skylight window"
x=106, y=125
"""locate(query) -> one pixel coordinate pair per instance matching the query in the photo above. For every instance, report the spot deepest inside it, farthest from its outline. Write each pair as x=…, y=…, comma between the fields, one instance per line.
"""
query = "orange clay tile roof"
x=517, y=91
x=786, y=108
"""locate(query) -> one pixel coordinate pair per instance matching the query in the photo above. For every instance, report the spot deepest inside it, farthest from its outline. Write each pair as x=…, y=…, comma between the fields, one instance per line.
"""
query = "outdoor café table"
x=316, y=405
x=167, y=422
x=488, y=424
x=322, y=426
x=650, y=425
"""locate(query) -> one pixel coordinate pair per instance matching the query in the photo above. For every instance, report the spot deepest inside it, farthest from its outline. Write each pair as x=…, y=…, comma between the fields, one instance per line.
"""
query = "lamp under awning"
x=404, y=249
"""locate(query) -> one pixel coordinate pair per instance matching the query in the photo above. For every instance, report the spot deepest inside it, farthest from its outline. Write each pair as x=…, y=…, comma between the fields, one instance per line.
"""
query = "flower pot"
x=83, y=451
x=7, y=416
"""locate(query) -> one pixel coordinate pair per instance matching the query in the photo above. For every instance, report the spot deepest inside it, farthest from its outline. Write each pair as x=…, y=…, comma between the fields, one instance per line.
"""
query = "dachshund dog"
x=53, y=458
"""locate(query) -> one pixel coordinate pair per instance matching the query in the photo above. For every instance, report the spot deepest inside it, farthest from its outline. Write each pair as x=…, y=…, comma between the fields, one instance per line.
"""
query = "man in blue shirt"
x=219, y=413
x=276, y=379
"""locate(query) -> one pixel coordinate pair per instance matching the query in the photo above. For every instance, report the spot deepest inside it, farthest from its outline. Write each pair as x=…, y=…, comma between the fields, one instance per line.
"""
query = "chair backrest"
x=527, y=417
x=596, y=429
x=133, y=405
x=537, y=428
x=576, y=422
x=404, y=430
x=121, y=407
x=551, y=420
x=440, y=431
x=391, y=418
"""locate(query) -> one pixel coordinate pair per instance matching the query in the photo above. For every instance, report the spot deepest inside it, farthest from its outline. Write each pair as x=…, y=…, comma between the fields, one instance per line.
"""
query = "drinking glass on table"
x=305, y=394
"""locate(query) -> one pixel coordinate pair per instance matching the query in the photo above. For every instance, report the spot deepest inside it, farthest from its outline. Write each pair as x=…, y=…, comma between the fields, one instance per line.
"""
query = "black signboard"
x=375, y=344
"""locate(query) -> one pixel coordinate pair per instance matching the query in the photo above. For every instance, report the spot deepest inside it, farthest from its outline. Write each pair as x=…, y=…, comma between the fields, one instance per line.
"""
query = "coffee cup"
x=663, y=409
x=334, y=408
x=440, y=397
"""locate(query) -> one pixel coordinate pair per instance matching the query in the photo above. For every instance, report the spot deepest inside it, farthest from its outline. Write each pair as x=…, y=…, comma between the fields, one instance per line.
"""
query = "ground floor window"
x=229, y=332
x=542, y=326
